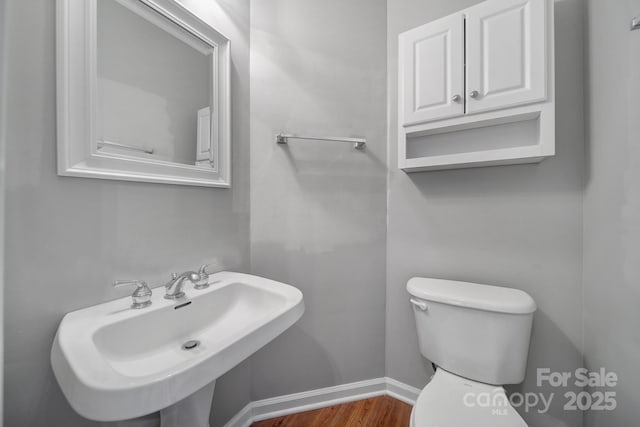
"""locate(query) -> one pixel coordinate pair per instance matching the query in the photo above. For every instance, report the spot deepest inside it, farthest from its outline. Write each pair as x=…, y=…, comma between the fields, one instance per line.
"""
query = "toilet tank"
x=479, y=332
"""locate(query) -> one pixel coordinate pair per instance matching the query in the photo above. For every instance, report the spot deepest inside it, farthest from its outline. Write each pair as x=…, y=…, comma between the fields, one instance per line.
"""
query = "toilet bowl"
x=452, y=401
x=478, y=336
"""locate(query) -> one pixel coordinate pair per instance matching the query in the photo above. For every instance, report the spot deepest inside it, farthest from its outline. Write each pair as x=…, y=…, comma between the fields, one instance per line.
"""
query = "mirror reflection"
x=158, y=106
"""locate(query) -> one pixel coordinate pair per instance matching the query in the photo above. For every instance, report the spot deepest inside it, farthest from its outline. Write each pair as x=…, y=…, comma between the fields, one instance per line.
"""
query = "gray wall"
x=70, y=237
x=318, y=209
x=612, y=206
x=517, y=226
x=2, y=174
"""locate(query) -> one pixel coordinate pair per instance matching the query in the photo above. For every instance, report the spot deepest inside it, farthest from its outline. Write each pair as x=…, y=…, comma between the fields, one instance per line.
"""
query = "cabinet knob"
x=474, y=94
x=456, y=98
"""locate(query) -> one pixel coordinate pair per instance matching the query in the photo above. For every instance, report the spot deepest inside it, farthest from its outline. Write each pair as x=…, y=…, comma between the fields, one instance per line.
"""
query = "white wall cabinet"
x=490, y=65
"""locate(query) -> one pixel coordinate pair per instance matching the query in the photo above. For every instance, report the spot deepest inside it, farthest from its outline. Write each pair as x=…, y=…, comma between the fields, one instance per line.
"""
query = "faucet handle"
x=203, y=281
x=141, y=296
x=138, y=283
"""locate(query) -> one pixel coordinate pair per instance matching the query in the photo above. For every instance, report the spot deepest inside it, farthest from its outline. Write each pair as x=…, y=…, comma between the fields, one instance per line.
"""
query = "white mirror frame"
x=78, y=154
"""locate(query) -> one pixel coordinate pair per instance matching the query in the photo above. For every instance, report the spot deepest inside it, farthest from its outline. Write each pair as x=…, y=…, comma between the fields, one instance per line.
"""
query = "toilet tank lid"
x=472, y=295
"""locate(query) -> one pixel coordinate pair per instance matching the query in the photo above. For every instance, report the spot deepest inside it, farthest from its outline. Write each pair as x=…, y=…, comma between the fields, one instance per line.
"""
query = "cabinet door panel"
x=506, y=58
x=432, y=71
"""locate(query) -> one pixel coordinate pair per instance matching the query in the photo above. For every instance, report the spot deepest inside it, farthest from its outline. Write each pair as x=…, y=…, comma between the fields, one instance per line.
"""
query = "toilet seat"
x=452, y=401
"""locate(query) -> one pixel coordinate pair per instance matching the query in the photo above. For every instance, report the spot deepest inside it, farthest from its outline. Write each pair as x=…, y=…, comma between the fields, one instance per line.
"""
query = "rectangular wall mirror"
x=143, y=93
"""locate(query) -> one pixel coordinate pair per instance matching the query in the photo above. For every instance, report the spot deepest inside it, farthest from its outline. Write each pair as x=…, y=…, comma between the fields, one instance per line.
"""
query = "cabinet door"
x=506, y=54
x=431, y=60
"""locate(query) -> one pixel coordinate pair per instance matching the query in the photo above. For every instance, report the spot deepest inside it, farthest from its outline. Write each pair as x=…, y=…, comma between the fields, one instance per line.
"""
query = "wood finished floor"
x=382, y=411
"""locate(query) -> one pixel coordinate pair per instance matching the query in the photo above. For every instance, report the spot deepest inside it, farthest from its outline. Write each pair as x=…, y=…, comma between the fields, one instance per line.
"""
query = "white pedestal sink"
x=115, y=363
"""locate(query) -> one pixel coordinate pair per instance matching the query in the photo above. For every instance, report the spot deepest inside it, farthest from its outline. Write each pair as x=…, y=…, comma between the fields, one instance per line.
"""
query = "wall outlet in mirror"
x=143, y=93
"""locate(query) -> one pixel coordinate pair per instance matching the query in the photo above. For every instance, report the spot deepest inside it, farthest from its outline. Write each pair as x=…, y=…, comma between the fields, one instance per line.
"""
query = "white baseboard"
x=321, y=398
x=402, y=391
x=243, y=418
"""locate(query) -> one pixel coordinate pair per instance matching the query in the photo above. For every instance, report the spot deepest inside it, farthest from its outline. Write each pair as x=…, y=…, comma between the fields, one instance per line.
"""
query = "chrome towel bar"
x=358, y=143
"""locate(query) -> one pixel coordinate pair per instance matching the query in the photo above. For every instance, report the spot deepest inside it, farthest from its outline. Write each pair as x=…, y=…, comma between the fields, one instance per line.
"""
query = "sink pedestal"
x=192, y=411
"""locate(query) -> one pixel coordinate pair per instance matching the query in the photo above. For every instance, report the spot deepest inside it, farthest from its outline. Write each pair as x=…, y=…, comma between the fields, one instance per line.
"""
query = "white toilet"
x=478, y=337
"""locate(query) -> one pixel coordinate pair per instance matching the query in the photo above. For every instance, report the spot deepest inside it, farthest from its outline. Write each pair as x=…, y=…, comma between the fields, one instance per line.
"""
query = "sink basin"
x=114, y=363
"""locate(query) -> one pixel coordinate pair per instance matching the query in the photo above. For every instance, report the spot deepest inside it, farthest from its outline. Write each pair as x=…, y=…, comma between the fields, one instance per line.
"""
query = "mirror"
x=143, y=93
x=154, y=88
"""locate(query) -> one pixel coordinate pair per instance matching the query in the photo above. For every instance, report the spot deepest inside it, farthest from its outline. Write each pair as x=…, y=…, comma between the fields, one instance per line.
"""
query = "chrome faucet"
x=177, y=282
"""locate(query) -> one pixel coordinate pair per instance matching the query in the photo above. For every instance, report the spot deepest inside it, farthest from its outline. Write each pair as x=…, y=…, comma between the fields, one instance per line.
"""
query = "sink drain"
x=190, y=345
